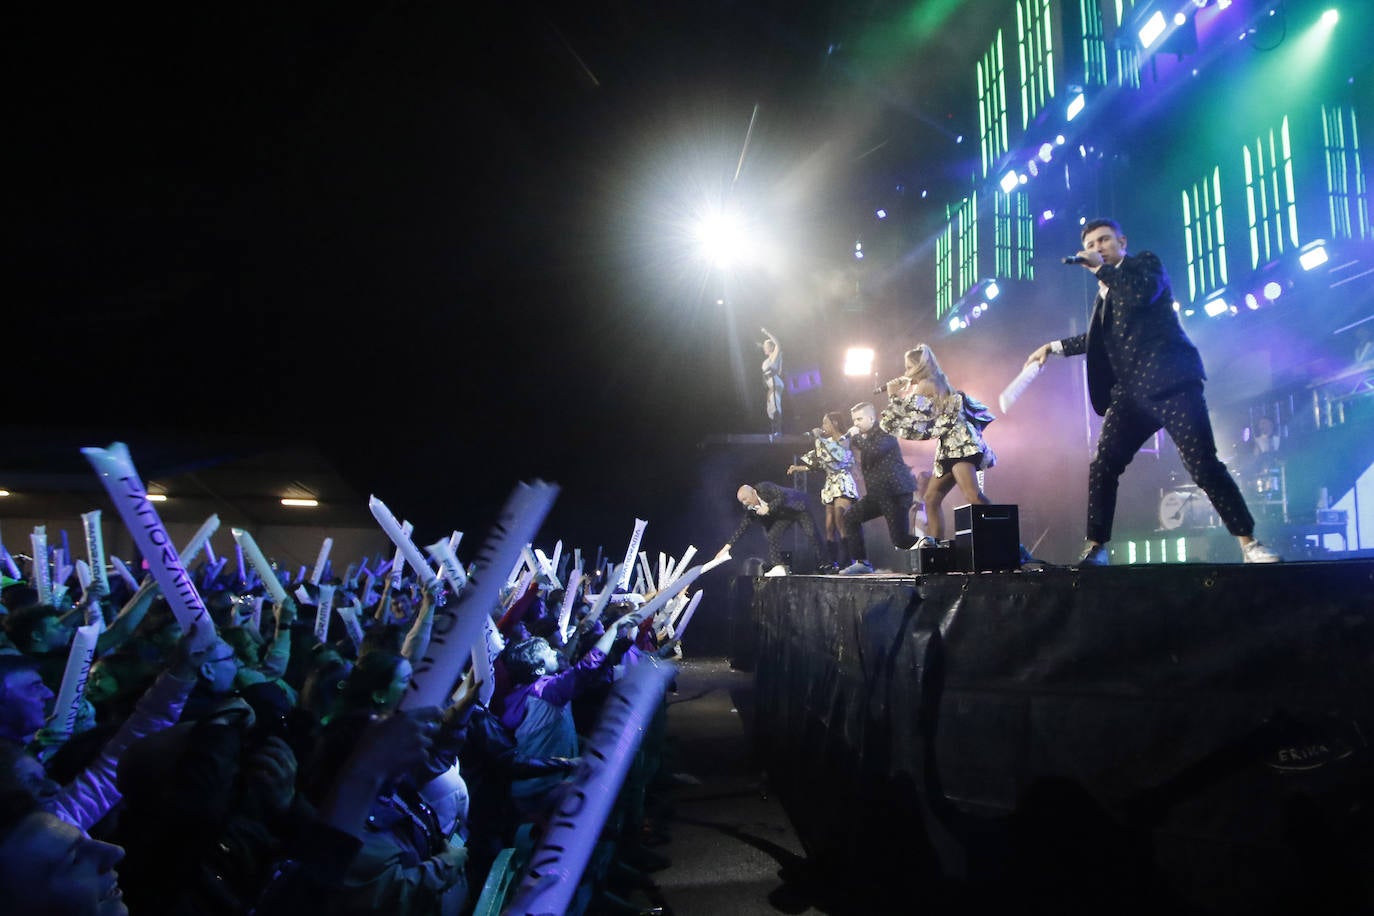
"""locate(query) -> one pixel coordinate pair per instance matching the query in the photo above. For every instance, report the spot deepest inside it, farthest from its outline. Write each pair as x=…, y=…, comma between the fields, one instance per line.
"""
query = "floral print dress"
x=835, y=458
x=955, y=421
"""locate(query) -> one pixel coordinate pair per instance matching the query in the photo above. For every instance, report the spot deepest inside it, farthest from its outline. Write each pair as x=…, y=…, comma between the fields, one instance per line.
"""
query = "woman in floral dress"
x=833, y=456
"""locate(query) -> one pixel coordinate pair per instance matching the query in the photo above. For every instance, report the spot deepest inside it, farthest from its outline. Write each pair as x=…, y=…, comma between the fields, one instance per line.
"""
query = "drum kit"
x=1186, y=507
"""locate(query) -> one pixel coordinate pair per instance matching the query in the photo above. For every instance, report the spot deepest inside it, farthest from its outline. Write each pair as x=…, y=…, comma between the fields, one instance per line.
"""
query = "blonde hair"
x=928, y=367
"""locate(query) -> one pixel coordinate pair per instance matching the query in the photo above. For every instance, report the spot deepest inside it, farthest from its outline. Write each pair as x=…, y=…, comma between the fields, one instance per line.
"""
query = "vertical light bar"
x=1250, y=204
x=1023, y=55
x=1130, y=552
x=1288, y=178
x=1183, y=550
x=1189, y=257
x=1220, y=225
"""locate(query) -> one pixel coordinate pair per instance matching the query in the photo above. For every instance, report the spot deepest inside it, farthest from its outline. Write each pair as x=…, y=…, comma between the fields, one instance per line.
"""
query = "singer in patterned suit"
x=1144, y=374
x=888, y=485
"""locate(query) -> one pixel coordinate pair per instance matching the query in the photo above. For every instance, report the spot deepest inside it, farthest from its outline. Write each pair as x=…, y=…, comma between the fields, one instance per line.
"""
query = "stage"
x=1116, y=739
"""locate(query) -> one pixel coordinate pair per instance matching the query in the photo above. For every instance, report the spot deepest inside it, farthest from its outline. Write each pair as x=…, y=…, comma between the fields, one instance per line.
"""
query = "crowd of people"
x=263, y=763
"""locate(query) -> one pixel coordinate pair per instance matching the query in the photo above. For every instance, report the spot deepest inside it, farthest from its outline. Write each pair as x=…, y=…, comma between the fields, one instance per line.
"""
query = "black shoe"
x=1094, y=555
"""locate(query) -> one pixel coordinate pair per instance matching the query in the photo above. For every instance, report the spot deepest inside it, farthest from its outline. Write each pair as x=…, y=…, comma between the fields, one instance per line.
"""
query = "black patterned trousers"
x=1183, y=415
x=776, y=527
x=895, y=508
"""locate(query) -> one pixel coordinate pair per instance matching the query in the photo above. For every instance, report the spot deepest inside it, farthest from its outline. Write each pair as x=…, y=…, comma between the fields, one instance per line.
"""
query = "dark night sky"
x=423, y=238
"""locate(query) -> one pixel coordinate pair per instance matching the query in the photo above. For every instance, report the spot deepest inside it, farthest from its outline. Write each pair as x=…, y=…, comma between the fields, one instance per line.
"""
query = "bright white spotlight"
x=858, y=361
x=1330, y=18
x=1180, y=19
x=858, y=255
x=1152, y=29
x=1009, y=182
x=157, y=497
x=881, y=214
x=721, y=239
x=954, y=323
x=1312, y=256
x=1046, y=152
x=300, y=503
x=993, y=291
x=1272, y=290
x=1251, y=301
x=1216, y=307
x=1047, y=215
x=1059, y=140
x=1075, y=106
x=1021, y=179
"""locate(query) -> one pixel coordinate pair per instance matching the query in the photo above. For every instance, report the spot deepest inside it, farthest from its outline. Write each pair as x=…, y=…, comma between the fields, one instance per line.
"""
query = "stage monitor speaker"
x=986, y=538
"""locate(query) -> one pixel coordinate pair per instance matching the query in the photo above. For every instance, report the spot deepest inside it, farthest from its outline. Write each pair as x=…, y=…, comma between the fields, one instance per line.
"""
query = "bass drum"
x=1186, y=509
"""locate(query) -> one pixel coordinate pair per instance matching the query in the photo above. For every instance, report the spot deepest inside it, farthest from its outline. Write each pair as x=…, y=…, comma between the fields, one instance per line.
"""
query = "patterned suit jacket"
x=783, y=502
x=1135, y=343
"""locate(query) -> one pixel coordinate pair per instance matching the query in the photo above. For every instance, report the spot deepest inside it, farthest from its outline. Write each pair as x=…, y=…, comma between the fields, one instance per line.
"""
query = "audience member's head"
x=377, y=683
x=216, y=674
x=23, y=698
x=528, y=660
x=37, y=629
x=51, y=868
x=118, y=677
x=386, y=637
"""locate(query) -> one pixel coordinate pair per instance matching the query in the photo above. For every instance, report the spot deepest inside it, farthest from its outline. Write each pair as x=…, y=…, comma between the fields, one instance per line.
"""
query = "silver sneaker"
x=778, y=570
x=1255, y=552
x=857, y=568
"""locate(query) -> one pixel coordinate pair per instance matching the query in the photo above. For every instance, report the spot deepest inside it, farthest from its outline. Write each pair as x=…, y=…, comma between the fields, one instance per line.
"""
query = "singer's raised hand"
x=898, y=386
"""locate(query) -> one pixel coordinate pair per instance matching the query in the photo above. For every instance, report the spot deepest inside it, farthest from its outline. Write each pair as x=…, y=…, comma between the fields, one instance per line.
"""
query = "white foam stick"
x=1018, y=386
x=454, y=540
x=199, y=539
x=124, y=573
x=570, y=835
x=681, y=565
x=452, y=570
x=242, y=570
x=685, y=617
x=577, y=557
x=350, y=579
x=628, y=567
x=398, y=559
x=322, y=611
x=662, y=569
x=518, y=569
x=647, y=571
x=95, y=550
x=256, y=618
x=569, y=599
x=529, y=560
x=557, y=555
x=41, y=573
x=320, y=560
x=516, y=590
x=547, y=568
x=116, y=471
x=253, y=554
x=600, y=601
x=460, y=623
x=401, y=538
x=483, y=662
x=303, y=595
x=349, y=614
x=68, y=703
x=83, y=575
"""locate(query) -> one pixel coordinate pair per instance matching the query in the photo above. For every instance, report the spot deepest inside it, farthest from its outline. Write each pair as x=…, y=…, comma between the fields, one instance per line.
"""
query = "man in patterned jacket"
x=777, y=509
x=888, y=488
x=1144, y=374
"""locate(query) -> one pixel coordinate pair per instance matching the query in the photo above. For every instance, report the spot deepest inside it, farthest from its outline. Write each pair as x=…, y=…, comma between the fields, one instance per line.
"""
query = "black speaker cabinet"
x=925, y=561
x=986, y=538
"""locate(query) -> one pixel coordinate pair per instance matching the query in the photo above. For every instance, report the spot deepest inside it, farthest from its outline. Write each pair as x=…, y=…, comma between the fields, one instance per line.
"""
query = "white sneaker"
x=1255, y=552
x=778, y=570
x=857, y=568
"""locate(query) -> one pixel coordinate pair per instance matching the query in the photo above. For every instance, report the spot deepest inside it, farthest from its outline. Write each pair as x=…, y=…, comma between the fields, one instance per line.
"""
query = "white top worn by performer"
x=772, y=382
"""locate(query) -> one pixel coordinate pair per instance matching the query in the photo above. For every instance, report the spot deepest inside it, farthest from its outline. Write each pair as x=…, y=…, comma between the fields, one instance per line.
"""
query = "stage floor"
x=1205, y=723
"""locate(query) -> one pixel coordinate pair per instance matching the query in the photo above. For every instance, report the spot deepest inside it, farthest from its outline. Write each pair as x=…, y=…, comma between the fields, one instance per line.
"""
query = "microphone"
x=1075, y=260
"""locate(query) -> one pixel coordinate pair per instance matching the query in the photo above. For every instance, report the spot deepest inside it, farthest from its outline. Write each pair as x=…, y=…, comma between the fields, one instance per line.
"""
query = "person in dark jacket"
x=1144, y=374
x=777, y=509
x=888, y=488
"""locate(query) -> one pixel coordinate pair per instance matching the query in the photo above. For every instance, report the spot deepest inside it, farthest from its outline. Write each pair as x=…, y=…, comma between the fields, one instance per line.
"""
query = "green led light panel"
x=1035, y=52
x=992, y=104
x=1094, y=44
x=1269, y=195
x=1204, y=236
x=1346, y=193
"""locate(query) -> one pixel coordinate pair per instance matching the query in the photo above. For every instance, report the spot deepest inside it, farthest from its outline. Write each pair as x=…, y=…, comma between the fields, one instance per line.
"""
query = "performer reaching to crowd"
x=1144, y=374
x=772, y=382
x=834, y=457
x=924, y=405
x=777, y=509
x=888, y=486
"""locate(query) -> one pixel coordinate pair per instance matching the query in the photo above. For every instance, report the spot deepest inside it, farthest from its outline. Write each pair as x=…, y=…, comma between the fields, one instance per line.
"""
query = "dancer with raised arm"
x=772, y=382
